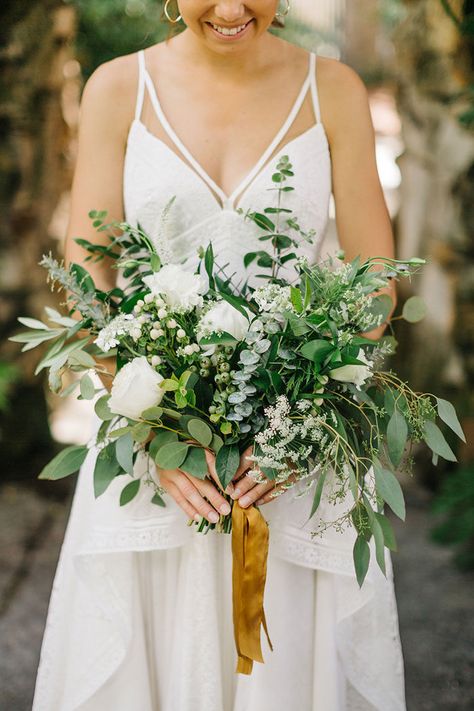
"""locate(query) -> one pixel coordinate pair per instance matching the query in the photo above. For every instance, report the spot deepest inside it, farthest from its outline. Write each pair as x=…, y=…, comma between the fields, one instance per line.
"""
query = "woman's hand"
x=247, y=491
x=189, y=492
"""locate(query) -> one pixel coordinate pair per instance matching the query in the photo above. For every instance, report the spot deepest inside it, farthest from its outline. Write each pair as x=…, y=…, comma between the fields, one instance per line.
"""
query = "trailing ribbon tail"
x=249, y=570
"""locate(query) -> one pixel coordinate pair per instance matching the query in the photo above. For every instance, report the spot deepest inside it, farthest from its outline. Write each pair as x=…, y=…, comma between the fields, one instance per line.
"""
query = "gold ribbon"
x=249, y=572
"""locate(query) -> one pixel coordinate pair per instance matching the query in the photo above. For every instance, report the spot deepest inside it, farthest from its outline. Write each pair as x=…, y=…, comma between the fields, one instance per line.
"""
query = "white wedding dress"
x=140, y=615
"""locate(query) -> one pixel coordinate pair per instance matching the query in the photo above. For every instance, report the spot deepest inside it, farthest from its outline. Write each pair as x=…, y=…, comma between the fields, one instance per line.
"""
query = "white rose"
x=224, y=317
x=180, y=289
x=135, y=388
x=356, y=374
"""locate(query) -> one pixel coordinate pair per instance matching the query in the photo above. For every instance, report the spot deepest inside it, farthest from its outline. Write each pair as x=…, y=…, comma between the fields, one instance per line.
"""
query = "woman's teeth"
x=228, y=30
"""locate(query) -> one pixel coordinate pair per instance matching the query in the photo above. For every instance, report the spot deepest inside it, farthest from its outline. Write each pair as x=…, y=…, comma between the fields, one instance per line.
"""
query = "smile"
x=238, y=30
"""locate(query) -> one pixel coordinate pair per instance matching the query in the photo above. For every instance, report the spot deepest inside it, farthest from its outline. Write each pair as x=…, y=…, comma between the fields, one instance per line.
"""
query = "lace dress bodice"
x=201, y=211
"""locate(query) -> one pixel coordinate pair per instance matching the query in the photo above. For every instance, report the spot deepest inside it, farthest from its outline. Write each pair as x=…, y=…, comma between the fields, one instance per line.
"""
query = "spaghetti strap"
x=314, y=87
x=227, y=200
x=141, y=85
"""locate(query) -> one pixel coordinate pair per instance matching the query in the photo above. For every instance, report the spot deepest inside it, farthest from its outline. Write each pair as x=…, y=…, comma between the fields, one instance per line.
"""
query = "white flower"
x=188, y=350
x=156, y=360
x=181, y=333
x=222, y=316
x=135, y=388
x=171, y=323
x=148, y=298
x=154, y=334
x=180, y=289
x=162, y=312
x=356, y=374
x=121, y=325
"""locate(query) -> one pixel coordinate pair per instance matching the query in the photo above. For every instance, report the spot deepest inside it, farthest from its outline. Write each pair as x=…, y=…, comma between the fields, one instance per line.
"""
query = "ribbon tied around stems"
x=250, y=537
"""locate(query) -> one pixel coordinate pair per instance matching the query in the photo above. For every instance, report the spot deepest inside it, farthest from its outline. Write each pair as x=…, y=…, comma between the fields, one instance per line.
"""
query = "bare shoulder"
x=110, y=92
x=343, y=96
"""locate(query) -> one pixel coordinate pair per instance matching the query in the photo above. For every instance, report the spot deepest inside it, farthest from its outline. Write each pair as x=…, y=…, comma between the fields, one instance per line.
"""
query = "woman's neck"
x=230, y=64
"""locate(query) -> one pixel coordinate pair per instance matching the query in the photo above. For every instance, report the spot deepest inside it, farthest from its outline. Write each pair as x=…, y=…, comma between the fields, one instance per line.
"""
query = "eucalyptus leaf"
x=318, y=493
x=161, y=438
x=124, y=452
x=216, y=443
x=414, y=309
x=157, y=499
x=227, y=463
x=397, y=433
x=435, y=440
x=87, y=387
x=152, y=413
x=195, y=463
x=377, y=531
x=172, y=455
x=106, y=469
x=141, y=431
x=361, y=555
x=388, y=534
x=389, y=489
x=317, y=350
x=129, y=492
x=448, y=415
x=200, y=431
x=68, y=461
x=102, y=410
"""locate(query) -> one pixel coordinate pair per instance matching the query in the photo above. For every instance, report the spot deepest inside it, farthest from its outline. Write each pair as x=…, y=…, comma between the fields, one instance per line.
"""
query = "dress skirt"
x=140, y=615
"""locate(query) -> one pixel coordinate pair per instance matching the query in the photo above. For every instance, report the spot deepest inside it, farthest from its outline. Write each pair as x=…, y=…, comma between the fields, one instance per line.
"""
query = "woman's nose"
x=229, y=10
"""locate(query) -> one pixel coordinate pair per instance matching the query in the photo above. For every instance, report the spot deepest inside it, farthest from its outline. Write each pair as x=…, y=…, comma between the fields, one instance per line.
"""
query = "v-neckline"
x=228, y=201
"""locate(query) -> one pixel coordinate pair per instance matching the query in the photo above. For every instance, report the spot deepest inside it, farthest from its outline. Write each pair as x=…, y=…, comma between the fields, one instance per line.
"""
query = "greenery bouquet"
x=204, y=363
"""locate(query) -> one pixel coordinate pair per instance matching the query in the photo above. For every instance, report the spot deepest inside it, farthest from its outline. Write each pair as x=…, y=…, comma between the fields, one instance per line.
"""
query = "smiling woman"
x=140, y=614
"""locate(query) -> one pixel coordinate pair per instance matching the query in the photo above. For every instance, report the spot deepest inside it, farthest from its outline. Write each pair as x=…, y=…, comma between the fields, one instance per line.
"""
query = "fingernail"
x=197, y=517
x=244, y=501
x=236, y=493
x=213, y=517
x=259, y=502
x=230, y=488
x=225, y=509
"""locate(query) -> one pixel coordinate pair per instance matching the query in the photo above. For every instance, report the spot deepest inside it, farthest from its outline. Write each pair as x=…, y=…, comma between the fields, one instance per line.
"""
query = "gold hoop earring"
x=170, y=19
x=280, y=15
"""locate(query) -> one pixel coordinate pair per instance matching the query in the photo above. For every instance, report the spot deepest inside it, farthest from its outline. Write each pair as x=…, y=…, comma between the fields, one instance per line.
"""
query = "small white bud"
x=148, y=298
x=162, y=313
x=181, y=333
x=140, y=303
x=155, y=360
x=188, y=350
x=196, y=347
x=171, y=323
x=154, y=334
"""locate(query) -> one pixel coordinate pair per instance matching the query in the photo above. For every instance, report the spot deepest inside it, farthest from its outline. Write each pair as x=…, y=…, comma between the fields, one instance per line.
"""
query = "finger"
x=182, y=501
x=211, y=465
x=256, y=493
x=189, y=491
x=271, y=495
x=208, y=489
x=245, y=463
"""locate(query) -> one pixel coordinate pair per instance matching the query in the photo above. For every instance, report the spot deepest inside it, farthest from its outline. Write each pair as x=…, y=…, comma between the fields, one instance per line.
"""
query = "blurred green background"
x=416, y=57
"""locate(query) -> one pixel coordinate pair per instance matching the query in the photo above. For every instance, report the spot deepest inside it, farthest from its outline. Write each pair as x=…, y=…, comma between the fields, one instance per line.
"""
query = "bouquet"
x=208, y=362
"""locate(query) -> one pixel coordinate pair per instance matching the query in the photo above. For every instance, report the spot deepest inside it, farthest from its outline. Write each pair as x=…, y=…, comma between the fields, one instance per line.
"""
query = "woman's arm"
x=362, y=219
x=105, y=116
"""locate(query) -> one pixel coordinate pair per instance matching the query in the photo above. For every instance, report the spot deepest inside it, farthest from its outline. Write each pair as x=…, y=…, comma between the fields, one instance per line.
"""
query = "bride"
x=140, y=614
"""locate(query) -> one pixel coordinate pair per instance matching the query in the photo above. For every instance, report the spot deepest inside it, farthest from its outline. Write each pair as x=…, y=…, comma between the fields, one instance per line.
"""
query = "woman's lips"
x=230, y=37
